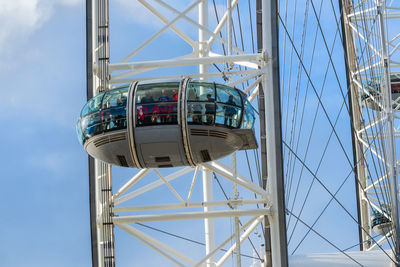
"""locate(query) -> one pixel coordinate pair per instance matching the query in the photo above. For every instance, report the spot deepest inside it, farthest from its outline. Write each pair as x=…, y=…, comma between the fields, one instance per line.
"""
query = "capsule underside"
x=166, y=124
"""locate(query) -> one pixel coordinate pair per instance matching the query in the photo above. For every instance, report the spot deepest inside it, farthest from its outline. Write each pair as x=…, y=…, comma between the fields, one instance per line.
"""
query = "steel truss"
x=371, y=40
x=254, y=69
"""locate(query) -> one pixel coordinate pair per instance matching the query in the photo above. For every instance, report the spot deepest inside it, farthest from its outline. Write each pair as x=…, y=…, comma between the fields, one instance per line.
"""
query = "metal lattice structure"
x=371, y=42
x=250, y=203
x=211, y=51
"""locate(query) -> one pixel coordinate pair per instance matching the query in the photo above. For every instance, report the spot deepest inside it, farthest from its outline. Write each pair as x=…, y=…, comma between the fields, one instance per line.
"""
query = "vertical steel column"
x=207, y=177
x=91, y=161
x=237, y=226
x=100, y=192
x=263, y=144
x=391, y=149
x=355, y=125
x=271, y=87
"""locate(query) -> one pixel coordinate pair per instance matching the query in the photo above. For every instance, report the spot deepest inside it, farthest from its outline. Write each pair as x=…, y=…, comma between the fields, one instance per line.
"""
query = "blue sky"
x=45, y=212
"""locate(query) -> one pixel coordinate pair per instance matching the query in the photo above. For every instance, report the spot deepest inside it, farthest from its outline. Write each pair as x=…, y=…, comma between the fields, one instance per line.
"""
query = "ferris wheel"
x=256, y=130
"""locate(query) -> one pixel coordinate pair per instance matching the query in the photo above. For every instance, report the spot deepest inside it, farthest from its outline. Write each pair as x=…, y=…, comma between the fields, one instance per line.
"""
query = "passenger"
x=119, y=113
x=229, y=111
x=105, y=117
x=197, y=110
x=146, y=109
x=118, y=102
x=123, y=101
x=174, y=107
x=147, y=98
x=163, y=109
x=210, y=109
x=174, y=95
x=164, y=97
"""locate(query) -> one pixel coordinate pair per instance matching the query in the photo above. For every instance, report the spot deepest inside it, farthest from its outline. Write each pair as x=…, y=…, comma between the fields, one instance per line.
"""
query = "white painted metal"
x=380, y=242
x=222, y=170
x=149, y=240
x=192, y=186
x=231, y=202
x=203, y=50
x=371, y=58
x=151, y=186
x=101, y=171
x=131, y=182
x=390, y=146
x=202, y=56
x=202, y=61
x=189, y=75
x=191, y=216
x=209, y=230
x=237, y=228
x=244, y=226
x=278, y=241
x=243, y=237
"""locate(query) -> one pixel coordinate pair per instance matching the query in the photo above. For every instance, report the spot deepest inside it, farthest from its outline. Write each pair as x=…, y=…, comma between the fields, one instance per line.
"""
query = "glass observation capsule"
x=380, y=223
x=166, y=124
x=374, y=91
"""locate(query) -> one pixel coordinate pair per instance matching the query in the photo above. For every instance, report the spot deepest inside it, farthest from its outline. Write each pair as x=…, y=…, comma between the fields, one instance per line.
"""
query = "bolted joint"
x=265, y=56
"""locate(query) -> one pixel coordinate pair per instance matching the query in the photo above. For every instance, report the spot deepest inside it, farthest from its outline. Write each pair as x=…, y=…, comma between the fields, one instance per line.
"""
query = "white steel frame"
x=374, y=137
x=258, y=70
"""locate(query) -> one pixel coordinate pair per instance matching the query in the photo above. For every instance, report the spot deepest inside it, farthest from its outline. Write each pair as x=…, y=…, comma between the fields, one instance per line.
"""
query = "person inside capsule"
x=163, y=109
x=144, y=112
x=229, y=111
x=196, y=110
x=210, y=109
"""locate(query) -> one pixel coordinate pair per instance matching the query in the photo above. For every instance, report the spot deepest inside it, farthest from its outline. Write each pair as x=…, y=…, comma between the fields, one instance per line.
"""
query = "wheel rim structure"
x=316, y=113
x=371, y=36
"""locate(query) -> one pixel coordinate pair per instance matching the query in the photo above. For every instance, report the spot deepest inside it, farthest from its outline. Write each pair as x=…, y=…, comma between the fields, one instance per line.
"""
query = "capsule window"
x=92, y=124
x=79, y=132
x=200, y=91
x=229, y=106
x=157, y=104
x=228, y=96
x=228, y=115
x=248, y=116
x=201, y=102
x=93, y=105
x=113, y=111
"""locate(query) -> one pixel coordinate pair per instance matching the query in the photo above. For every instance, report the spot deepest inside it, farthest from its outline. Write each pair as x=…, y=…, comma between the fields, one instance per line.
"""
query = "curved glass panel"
x=200, y=91
x=210, y=104
x=104, y=112
x=228, y=95
x=91, y=124
x=79, y=132
x=228, y=115
x=196, y=113
x=229, y=106
x=248, y=115
x=94, y=104
x=157, y=104
x=201, y=102
x=114, y=109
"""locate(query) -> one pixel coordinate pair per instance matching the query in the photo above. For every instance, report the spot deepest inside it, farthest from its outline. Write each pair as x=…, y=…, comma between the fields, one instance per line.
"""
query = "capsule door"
x=157, y=132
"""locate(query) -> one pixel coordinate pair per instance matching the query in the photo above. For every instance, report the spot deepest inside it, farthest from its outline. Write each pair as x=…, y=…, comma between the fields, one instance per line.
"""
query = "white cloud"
x=22, y=18
x=134, y=11
x=19, y=19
